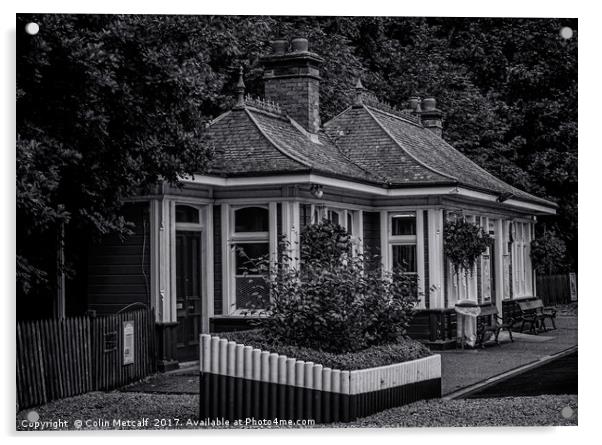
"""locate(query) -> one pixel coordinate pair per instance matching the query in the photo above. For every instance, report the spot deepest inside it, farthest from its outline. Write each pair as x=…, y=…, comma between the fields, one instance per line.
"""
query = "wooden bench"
x=490, y=322
x=534, y=313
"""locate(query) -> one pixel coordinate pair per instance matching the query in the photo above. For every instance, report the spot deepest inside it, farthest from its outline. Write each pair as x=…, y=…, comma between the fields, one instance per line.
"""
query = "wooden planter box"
x=240, y=382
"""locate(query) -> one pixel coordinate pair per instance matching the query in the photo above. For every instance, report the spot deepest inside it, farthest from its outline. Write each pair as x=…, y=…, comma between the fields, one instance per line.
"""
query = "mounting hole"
x=32, y=28
x=566, y=32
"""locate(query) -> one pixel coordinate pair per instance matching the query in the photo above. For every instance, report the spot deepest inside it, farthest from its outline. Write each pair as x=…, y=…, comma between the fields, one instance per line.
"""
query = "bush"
x=332, y=302
x=547, y=252
x=402, y=350
x=324, y=242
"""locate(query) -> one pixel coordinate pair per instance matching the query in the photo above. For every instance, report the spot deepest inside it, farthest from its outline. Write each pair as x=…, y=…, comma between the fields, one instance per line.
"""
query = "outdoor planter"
x=239, y=382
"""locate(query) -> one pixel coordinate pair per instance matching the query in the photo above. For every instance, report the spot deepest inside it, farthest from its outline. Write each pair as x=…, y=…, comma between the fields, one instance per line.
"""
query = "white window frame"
x=402, y=240
x=234, y=238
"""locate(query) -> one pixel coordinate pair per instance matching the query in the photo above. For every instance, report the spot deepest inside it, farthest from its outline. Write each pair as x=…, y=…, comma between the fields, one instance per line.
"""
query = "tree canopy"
x=109, y=105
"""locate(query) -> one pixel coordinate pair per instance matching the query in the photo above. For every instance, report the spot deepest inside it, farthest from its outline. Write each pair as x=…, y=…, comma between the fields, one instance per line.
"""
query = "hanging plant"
x=464, y=243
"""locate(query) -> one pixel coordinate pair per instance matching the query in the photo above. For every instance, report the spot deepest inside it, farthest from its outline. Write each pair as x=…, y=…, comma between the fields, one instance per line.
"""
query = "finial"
x=240, y=89
x=359, y=92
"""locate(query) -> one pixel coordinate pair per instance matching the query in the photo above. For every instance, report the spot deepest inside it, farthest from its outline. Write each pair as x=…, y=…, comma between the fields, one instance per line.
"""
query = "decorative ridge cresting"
x=262, y=104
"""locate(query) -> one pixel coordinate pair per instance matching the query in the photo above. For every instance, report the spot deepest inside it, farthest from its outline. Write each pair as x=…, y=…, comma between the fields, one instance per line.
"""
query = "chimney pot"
x=300, y=45
x=279, y=46
x=431, y=117
x=414, y=104
x=429, y=104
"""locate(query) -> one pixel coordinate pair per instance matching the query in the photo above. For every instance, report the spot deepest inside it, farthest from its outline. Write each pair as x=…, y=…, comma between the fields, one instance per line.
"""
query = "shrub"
x=547, y=252
x=332, y=302
x=402, y=350
x=325, y=242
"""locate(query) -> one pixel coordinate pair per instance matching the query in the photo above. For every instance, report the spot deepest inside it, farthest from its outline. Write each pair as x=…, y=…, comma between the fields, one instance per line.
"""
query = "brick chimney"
x=431, y=117
x=292, y=79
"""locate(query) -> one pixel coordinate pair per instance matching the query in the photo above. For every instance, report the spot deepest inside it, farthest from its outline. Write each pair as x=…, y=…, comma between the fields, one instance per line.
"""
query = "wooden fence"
x=240, y=382
x=554, y=289
x=63, y=358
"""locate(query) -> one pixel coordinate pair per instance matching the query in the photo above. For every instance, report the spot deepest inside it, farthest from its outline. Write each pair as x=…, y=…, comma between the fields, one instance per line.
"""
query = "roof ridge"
x=425, y=165
x=377, y=104
x=407, y=118
x=271, y=141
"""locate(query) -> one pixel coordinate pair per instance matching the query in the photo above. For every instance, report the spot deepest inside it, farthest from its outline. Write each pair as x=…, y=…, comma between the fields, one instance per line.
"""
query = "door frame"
x=205, y=227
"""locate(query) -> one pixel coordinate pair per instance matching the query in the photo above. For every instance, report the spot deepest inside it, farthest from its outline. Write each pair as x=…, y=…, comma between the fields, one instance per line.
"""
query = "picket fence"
x=240, y=382
x=64, y=358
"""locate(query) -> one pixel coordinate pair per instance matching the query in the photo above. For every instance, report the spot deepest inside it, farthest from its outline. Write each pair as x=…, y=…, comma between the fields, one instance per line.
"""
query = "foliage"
x=547, y=252
x=464, y=243
x=107, y=107
x=324, y=241
x=402, y=350
x=108, y=104
x=334, y=304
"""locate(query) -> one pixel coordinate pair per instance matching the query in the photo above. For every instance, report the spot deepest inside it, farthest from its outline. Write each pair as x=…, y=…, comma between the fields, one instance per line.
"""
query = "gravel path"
x=507, y=411
x=98, y=411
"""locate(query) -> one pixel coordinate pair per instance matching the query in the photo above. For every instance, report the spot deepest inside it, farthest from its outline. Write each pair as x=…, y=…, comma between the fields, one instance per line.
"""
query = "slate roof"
x=252, y=142
x=363, y=144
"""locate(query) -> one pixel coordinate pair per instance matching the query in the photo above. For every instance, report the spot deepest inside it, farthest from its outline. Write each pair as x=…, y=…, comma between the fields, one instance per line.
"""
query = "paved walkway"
x=461, y=368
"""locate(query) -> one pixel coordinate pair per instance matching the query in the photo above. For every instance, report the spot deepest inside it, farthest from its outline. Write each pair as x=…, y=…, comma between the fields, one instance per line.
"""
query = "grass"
x=508, y=411
x=402, y=351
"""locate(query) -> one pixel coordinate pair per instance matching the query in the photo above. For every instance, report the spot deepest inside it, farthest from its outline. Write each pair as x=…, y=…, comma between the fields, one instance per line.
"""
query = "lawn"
x=95, y=408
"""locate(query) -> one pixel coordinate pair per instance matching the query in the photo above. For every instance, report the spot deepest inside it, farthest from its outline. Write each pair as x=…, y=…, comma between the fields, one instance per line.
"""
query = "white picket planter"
x=238, y=381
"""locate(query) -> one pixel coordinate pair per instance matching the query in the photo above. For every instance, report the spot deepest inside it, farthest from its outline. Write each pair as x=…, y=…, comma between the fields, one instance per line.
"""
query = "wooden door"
x=188, y=294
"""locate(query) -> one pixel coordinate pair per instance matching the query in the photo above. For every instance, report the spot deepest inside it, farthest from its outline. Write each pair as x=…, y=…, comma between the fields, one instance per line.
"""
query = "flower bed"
x=240, y=381
x=404, y=350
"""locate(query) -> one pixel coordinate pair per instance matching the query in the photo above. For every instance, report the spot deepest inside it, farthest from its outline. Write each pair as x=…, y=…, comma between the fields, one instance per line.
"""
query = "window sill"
x=240, y=314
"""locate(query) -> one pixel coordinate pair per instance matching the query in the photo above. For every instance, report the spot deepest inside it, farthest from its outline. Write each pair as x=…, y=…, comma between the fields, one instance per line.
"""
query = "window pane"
x=251, y=293
x=246, y=252
x=403, y=224
x=251, y=289
x=187, y=214
x=333, y=217
x=349, y=222
x=251, y=219
x=405, y=256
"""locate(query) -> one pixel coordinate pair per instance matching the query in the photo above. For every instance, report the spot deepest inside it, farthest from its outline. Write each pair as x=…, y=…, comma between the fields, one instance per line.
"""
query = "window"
x=521, y=260
x=251, y=219
x=250, y=241
x=334, y=217
x=403, y=241
x=251, y=290
x=403, y=224
x=187, y=214
x=404, y=255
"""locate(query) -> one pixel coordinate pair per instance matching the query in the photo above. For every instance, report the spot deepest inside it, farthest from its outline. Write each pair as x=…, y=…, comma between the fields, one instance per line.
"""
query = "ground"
x=169, y=411
x=461, y=368
x=164, y=398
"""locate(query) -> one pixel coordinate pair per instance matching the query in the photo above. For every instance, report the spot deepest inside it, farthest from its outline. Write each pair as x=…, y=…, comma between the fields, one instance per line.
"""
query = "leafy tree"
x=108, y=105
x=547, y=252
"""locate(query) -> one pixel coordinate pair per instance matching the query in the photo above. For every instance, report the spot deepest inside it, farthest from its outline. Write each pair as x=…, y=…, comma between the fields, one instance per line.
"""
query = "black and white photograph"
x=232, y=222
